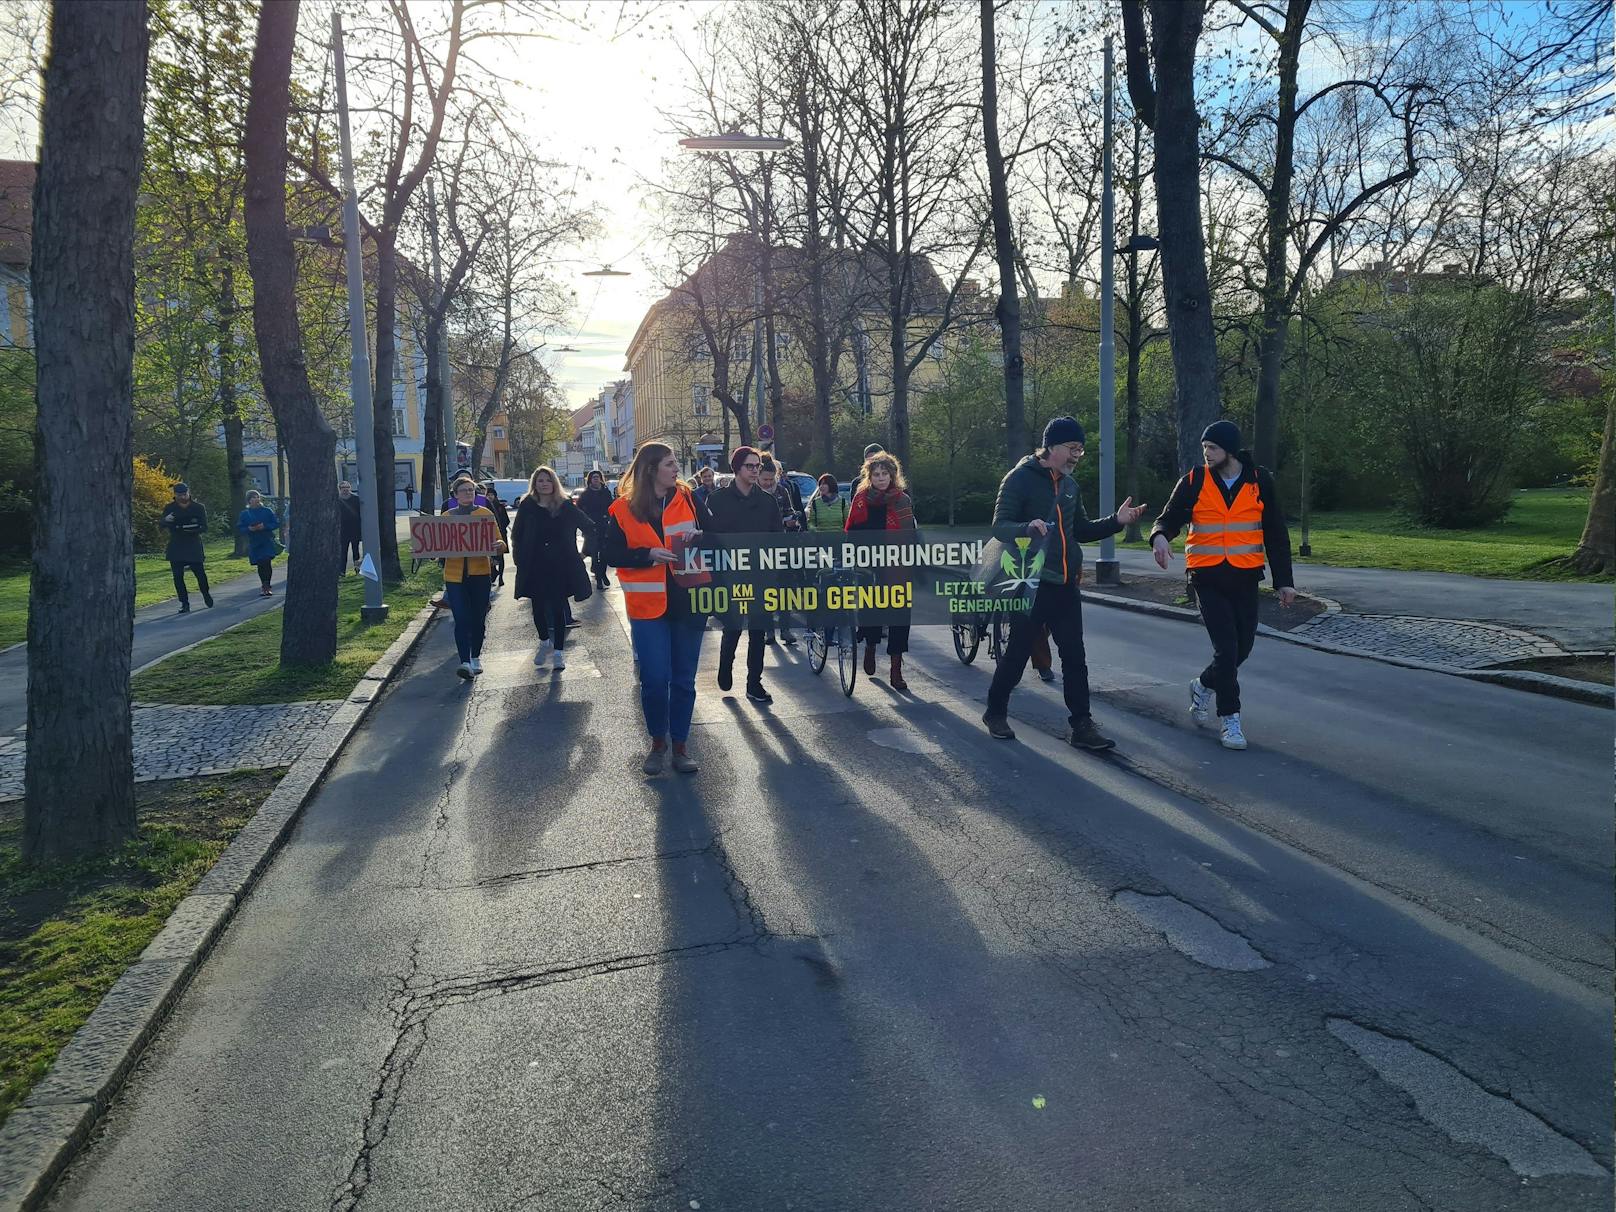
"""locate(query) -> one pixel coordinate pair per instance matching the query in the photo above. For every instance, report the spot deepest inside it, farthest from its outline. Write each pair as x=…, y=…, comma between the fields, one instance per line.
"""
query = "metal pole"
x=446, y=421
x=375, y=610
x=757, y=336
x=1107, y=570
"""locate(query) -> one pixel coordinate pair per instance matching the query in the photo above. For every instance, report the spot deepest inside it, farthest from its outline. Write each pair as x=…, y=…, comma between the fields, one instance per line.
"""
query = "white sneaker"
x=476, y=664
x=560, y=661
x=1232, y=737
x=465, y=670
x=546, y=647
x=1200, y=703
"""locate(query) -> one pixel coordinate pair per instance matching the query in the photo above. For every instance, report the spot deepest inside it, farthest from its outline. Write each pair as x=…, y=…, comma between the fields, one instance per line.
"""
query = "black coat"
x=348, y=516
x=545, y=548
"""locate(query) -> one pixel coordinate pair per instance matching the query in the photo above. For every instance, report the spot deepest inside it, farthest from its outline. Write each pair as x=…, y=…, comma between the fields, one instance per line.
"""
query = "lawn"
x=154, y=582
x=243, y=665
x=68, y=930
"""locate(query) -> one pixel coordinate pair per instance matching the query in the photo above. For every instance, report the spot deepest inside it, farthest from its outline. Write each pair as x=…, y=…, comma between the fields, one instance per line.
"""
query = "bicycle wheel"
x=1001, y=638
x=967, y=639
x=818, y=648
x=847, y=658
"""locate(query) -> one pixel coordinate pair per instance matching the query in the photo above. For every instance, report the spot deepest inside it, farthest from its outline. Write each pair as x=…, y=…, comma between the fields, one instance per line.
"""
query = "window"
x=398, y=423
x=701, y=400
x=499, y=431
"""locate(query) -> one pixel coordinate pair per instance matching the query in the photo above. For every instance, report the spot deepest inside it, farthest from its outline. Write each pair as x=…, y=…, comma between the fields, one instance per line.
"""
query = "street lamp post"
x=374, y=609
x=1107, y=571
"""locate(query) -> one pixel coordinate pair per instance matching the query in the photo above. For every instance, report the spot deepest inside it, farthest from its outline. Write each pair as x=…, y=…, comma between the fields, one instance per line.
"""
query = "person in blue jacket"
x=259, y=523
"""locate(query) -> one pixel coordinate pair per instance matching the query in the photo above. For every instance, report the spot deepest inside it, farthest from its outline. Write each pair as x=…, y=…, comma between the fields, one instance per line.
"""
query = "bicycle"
x=968, y=638
x=843, y=637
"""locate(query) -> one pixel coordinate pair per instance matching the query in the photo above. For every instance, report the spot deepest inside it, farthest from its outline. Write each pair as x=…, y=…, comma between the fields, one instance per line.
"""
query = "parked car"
x=510, y=490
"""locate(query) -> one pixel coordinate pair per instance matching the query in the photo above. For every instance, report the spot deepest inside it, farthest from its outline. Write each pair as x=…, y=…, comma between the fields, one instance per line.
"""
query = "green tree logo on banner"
x=1021, y=574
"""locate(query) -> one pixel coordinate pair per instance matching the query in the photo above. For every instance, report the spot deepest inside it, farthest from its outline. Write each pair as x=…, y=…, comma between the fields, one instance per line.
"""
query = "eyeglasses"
x=750, y=466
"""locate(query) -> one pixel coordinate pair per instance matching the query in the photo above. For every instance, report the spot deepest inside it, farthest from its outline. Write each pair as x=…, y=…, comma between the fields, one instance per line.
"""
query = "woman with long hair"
x=544, y=540
x=466, y=584
x=654, y=516
x=883, y=504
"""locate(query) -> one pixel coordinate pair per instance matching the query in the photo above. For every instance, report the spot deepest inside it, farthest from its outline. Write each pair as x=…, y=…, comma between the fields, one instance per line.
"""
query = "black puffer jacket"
x=545, y=548
x=756, y=512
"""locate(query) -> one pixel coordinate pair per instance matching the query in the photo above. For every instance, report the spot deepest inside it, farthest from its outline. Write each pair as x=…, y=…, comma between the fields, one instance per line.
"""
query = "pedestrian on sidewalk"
x=503, y=518
x=259, y=523
x=595, y=500
x=1236, y=525
x=544, y=544
x=466, y=584
x=409, y=498
x=652, y=512
x=790, y=503
x=348, y=521
x=827, y=508
x=883, y=504
x=186, y=521
x=705, y=484
x=1038, y=500
x=741, y=507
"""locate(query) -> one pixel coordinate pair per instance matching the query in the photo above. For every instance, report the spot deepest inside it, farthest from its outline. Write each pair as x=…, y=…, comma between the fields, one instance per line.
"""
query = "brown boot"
x=869, y=659
x=897, y=673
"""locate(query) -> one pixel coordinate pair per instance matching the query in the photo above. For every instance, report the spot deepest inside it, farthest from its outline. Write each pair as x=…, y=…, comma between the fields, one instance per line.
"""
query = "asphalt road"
x=871, y=958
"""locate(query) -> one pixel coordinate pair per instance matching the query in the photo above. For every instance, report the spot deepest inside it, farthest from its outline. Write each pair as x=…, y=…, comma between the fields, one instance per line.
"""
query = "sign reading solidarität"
x=873, y=577
x=450, y=535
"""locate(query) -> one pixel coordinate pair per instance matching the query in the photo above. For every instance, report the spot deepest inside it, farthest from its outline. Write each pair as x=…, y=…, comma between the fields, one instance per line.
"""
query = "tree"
x=1596, y=550
x=1161, y=84
x=79, y=770
x=1008, y=309
x=309, y=618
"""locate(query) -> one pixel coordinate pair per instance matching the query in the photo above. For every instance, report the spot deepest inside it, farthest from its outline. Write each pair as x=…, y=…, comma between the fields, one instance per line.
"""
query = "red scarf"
x=900, y=509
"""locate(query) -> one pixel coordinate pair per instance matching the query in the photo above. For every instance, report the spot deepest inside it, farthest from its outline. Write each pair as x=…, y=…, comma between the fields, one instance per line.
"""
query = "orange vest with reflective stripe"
x=645, y=590
x=1220, y=532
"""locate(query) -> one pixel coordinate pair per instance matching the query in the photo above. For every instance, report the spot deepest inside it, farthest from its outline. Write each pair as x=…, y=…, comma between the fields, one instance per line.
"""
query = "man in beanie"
x=741, y=507
x=186, y=522
x=1235, y=526
x=1038, y=500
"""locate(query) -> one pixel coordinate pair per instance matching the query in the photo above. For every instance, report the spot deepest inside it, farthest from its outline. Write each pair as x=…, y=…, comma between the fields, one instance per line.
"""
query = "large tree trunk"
x=1596, y=552
x=1008, y=308
x=309, y=619
x=387, y=562
x=229, y=406
x=1169, y=110
x=79, y=770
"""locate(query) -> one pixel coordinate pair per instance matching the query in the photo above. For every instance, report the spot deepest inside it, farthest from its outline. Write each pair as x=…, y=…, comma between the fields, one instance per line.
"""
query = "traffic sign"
x=765, y=433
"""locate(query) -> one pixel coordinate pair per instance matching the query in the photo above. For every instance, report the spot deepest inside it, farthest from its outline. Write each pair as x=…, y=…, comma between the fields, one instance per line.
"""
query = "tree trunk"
x=387, y=562
x=1008, y=308
x=79, y=769
x=309, y=618
x=432, y=419
x=1170, y=112
x=229, y=405
x=1596, y=551
x=1273, y=327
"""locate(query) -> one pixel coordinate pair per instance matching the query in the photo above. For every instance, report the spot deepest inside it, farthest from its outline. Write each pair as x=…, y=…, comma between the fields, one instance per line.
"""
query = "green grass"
x=68, y=930
x=243, y=665
x=154, y=582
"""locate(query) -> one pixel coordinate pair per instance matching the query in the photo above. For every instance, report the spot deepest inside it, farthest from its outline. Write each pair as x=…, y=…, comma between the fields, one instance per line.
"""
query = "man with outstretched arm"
x=1236, y=525
x=1038, y=500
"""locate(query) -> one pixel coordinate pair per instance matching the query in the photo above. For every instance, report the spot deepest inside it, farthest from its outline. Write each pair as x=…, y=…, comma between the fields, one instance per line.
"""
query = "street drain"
x=1192, y=932
x=1457, y=1105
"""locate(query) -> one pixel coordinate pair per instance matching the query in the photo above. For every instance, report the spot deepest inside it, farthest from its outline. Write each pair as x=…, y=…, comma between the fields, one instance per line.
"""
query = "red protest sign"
x=451, y=535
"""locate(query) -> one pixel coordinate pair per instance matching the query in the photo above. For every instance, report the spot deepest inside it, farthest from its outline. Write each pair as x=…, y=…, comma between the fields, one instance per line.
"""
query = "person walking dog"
x=1236, y=526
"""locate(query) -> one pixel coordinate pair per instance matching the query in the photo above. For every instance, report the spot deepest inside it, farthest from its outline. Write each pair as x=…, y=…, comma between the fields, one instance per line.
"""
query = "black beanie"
x=1061, y=430
x=1225, y=434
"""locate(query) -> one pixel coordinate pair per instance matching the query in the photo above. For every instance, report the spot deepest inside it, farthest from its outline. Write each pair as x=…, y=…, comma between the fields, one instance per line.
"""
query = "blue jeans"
x=668, y=652
x=468, y=602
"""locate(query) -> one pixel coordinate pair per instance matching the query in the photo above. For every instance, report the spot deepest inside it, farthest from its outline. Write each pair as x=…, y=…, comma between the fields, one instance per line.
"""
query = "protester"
x=883, y=505
x=348, y=523
x=503, y=519
x=705, y=484
x=741, y=507
x=1236, y=526
x=409, y=498
x=1042, y=659
x=827, y=509
x=1038, y=500
x=595, y=500
x=652, y=513
x=259, y=524
x=186, y=522
x=770, y=481
x=548, y=566
x=466, y=584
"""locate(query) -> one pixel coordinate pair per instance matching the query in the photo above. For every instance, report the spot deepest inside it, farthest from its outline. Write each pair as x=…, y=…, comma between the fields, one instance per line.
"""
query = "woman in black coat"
x=544, y=544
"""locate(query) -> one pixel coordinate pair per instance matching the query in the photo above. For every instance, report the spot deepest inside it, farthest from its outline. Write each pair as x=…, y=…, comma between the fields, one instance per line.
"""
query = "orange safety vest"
x=645, y=590
x=1220, y=532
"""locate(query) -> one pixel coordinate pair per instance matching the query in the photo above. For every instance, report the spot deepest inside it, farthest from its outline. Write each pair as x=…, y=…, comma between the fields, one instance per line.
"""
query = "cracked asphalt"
x=497, y=968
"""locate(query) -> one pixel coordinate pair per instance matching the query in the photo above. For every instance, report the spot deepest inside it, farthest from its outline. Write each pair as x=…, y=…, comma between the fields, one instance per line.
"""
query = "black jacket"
x=595, y=502
x=1032, y=491
x=348, y=516
x=1276, y=535
x=186, y=524
x=545, y=548
x=756, y=512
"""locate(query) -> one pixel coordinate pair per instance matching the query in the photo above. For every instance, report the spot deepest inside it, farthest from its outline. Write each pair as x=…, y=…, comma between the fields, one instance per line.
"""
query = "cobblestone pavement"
x=1466, y=645
x=177, y=742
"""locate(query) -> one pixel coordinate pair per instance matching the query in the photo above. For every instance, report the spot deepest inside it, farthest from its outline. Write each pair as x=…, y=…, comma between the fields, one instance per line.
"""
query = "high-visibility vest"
x=645, y=590
x=1220, y=532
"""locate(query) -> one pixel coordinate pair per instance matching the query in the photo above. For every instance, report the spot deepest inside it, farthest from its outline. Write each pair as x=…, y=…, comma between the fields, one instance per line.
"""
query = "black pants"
x=499, y=568
x=264, y=569
x=1228, y=601
x=597, y=566
x=550, y=617
x=349, y=543
x=1059, y=608
x=897, y=638
x=754, y=652
x=179, y=567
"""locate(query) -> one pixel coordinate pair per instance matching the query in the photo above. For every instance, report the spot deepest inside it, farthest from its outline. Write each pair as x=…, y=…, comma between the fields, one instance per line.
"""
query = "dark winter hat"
x=1062, y=430
x=874, y=448
x=1223, y=433
x=182, y=489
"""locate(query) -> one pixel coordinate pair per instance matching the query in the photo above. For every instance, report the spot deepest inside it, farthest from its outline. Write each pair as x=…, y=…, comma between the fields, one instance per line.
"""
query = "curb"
x=1540, y=683
x=44, y=1133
